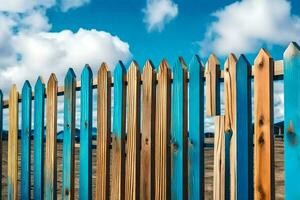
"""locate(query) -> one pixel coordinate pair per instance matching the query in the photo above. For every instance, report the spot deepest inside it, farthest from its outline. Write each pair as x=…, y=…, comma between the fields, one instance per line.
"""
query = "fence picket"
x=1, y=132
x=196, y=130
x=25, y=141
x=212, y=73
x=51, y=149
x=148, y=132
x=263, y=127
x=86, y=120
x=292, y=117
x=244, y=134
x=179, y=133
x=39, y=114
x=103, y=128
x=132, y=174
x=219, y=159
x=12, y=158
x=162, y=127
x=230, y=116
x=118, y=134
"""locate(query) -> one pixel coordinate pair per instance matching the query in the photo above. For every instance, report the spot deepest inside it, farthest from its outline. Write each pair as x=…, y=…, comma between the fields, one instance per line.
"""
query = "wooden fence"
x=150, y=131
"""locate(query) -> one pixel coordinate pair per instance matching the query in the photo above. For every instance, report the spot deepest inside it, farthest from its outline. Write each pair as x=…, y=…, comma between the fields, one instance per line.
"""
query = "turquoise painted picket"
x=1, y=132
x=291, y=121
x=39, y=131
x=25, y=141
x=86, y=122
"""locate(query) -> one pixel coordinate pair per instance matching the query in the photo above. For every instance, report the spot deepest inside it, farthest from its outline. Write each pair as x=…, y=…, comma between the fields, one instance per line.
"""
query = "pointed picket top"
x=230, y=59
x=120, y=68
x=13, y=89
x=26, y=86
x=52, y=79
x=86, y=71
x=103, y=68
x=163, y=66
x=195, y=63
x=148, y=66
x=181, y=60
x=262, y=55
x=133, y=66
x=213, y=59
x=292, y=50
x=39, y=82
x=243, y=61
x=70, y=75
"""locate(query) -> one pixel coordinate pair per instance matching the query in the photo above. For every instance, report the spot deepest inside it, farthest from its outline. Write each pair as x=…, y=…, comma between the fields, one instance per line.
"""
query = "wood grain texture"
x=39, y=130
x=51, y=130
x=12, y=158
x=230, y=116
x=244, y=133
x=86, y=121
x=179, y=160
x=162, y=127
x=25, y=141
x=263, y=127
x=212, y=73
x=291, y=119
x=103, y=139
x=219, y=159
x=1, y=132
x=132, y=173
x=118, y=134
x=148, y=132
x=196, y=181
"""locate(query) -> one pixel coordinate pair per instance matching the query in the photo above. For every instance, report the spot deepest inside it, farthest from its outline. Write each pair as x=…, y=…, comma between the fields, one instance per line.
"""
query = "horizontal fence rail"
x=150, y=138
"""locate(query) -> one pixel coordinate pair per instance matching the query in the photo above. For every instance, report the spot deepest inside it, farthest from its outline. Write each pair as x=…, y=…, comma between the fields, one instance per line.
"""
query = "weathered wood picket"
x=150, y=137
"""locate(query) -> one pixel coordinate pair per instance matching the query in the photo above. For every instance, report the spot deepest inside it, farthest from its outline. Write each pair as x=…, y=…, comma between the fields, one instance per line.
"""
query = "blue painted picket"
x=244, y=134
x=69, y=135
x=25, y=141
x=196, y=130
x=179, y=133
x=291, y=121
x=39, y=114
x=86, y=119
x=228, y=136
x=1, y=132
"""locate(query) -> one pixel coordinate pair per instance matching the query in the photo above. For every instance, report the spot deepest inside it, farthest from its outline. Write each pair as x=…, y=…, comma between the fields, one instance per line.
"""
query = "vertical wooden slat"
x=132, y=174
x=104, y=128
x=212, y=73
x=118, y=134
x=51, y=129
x=148, y=132
x=25, y=141
x=263, y=127
x=1, y=132
x=291, y=120
x=179, y=133
x=162, y=124
x=230, y=116
x=12, y=158
x=196, y=130
x=69, y=136
x=86, y=120
x=39, y=111
x=219, y=159
x=228, y=137
x=244, y=134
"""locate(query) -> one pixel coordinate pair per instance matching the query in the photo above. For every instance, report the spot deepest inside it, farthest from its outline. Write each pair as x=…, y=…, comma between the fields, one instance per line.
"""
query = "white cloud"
x=68, y=4
x=242, y=27
x=158, y=13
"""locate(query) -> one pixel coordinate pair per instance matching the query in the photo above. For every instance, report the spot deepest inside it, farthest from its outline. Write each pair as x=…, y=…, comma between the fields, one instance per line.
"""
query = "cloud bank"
x=243, y=26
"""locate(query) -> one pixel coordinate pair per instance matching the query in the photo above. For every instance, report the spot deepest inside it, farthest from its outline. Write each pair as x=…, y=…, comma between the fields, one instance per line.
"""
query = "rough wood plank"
x=244, y=134
x=219, y=159
x=196, y=181
x=162, y=127
x=51, y=130
x=292, y=118
x=263, y=127
x=148, y=132
x=230, y=116
x=212, y=73
x=39, y=115
x=25, y=141
x=228, y=137
x=12, y=158
x=103, y=139
x=118, y=134
x=132, y=174
x=179, y=160
x=1, y=132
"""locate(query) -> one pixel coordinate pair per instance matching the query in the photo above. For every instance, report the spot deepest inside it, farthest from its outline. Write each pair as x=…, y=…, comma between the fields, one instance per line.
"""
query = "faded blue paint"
x=1, y=132
x=227, y=164
x=86, y=119
x=39, y=114
x=196, y=130
x=178, y=135
x=25, y=141
x=69, y=134
x=292, y=122
x=244, y=134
